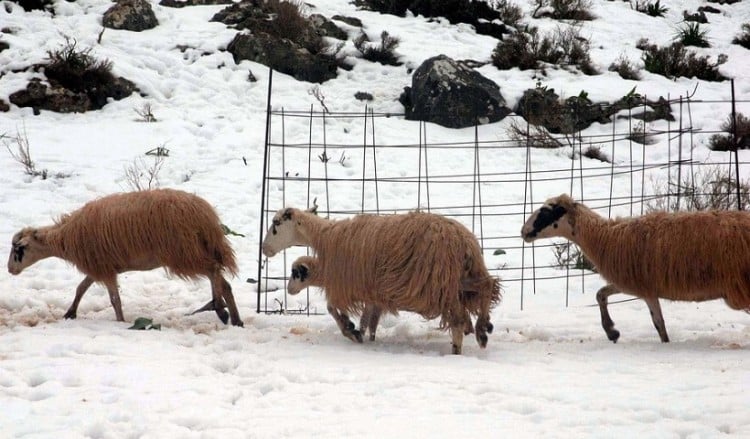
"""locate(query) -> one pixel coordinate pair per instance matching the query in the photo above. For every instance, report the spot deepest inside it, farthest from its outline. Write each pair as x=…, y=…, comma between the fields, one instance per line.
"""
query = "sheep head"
x=550, y=220
x=304, y=270
x=285, y=230
x=26, y=249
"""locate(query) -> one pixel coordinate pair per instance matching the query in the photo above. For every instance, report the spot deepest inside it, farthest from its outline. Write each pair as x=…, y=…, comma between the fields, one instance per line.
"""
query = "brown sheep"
x=306, y=272
x=689, y=256
x=136, y=231
x=411, y=262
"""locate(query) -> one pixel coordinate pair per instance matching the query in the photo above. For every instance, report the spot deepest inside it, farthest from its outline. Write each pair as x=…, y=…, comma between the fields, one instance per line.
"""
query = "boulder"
x=284, y=56
x=453, y=95
x=132, y=15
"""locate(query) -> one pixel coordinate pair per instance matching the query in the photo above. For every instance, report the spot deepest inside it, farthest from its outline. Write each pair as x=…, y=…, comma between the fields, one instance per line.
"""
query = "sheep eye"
x=300, y=273
x=275, y=223
x=18, y=251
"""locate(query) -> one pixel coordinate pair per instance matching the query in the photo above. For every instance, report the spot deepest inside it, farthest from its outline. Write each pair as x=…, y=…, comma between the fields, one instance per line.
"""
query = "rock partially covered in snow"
x=451, y=94
x=133, y=15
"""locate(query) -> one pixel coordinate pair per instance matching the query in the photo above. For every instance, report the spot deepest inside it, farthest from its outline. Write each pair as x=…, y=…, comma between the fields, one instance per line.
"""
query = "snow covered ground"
x=548, y=370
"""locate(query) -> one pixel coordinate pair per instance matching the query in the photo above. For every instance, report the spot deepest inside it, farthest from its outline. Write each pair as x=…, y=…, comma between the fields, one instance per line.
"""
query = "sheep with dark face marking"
x=411, y=262
x=136, y=231
x=690, y=256
x=307, y=272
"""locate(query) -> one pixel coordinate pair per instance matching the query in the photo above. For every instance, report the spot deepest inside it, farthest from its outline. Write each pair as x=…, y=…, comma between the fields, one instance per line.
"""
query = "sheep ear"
x=314, y=208
x=558, y=211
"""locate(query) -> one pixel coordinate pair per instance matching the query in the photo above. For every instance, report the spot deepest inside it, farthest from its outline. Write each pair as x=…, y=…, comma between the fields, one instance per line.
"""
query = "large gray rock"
x=132, y=15
x=284, y=56
x=453, y=95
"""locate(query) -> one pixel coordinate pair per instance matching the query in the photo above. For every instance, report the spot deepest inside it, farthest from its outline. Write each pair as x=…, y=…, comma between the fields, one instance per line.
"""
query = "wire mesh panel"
x=490, y=180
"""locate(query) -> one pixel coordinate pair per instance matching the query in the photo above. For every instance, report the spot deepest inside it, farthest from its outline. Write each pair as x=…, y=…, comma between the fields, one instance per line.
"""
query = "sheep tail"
x=225, y=258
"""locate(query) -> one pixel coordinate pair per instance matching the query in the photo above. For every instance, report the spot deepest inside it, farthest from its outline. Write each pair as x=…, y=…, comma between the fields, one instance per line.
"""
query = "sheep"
x=412, y=262
x=306, y=272
x=136, y=231
x=688, y=256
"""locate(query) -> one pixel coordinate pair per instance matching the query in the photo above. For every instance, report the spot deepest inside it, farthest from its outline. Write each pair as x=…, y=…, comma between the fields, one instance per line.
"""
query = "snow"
x=548, y=370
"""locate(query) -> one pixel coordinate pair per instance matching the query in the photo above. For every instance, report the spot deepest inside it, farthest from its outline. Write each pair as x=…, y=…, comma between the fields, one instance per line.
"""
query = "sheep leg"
x=468, y=329
x=114, y=297
x=80, y=291
x=457, y=326
x=483, y=327
x=370, y=319
x=457, y=334
x=217, y=301
x=656, y=316
x=607, y=323
x=364, y=320
x=345, y=325
x=226, y=291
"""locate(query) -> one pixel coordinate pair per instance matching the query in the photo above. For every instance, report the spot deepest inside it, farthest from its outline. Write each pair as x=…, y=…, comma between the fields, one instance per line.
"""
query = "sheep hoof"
x=372, y=337
x=490, y=327
x=224, y=316
x=355, y=335
x=482, y=340
x=239, y=323
x=456, y=350
x=613, y=335
x=70, y=315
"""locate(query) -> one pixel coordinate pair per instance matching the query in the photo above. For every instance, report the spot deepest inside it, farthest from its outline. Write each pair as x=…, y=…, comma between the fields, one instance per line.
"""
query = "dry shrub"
x=383, y=53
x=625, y=68
x=723, y=142
x=674, y=60
x=710, y=188
x=596, y=153
x=743, y=39
x=510, y=13
x=77, y=70
x=568, y=255
x=529, y=50
x=654, y=9
x=530, y=135
x=578, y=10
x=288, y=19
x=141, y=176
x=22, y=155
x=639, y=134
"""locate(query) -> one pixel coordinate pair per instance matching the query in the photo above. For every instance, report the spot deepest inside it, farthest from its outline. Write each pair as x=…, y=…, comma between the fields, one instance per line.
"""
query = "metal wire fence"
x=348, y=163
